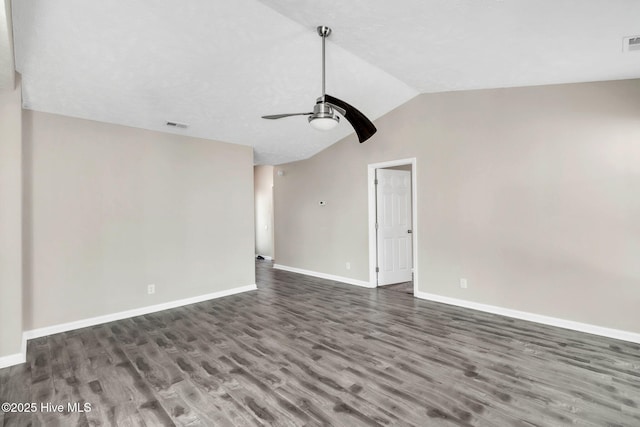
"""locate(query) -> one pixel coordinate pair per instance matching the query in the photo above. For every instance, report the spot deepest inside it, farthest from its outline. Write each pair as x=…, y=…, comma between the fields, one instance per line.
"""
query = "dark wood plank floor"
x=405, y=287
x=304, y=351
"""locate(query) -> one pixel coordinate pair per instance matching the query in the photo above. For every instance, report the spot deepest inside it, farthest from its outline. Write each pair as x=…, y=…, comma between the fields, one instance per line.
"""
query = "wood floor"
x=406, y=287
x=302, y=351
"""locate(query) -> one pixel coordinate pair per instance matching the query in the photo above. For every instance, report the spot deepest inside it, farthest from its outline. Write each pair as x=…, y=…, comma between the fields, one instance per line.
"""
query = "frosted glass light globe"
x=324, y=123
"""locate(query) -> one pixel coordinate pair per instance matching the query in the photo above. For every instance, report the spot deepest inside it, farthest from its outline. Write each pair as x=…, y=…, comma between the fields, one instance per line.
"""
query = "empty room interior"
x=256, y=213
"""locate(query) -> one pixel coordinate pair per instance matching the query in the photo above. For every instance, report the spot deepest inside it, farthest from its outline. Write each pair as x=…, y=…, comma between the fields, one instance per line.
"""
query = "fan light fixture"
x=323, y=117
x=324, y=123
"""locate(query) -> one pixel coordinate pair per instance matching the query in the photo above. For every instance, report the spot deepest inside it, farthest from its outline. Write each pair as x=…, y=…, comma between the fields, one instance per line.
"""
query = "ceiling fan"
x=324, y=115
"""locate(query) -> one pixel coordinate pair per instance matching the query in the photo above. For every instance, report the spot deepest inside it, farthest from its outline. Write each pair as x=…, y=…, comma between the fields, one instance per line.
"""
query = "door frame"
x=373, y=244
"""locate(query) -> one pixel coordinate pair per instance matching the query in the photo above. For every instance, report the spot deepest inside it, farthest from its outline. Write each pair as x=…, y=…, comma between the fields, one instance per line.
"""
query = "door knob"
x=410, y=231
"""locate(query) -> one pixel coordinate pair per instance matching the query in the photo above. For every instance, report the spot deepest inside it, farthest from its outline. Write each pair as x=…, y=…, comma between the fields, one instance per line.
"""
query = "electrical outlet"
x=151, y=289
x=348, y=265
x=463, y=283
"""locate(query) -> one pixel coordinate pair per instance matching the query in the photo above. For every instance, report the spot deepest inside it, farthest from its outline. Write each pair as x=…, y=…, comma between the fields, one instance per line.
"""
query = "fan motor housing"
x=322, y=110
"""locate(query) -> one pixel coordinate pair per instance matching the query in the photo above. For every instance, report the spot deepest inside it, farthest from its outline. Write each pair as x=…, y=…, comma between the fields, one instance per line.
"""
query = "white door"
x=393, y=203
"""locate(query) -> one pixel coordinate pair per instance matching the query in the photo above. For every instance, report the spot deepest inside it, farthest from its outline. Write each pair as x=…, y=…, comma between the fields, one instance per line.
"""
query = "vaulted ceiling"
x=220, y=65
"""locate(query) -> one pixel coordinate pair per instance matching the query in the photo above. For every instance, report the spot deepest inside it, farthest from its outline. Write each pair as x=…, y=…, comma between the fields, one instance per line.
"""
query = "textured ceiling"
x=445, y=45
x=220, y=65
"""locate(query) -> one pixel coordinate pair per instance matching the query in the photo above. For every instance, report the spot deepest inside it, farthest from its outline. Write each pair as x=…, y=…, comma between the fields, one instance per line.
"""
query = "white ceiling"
x=219, y=65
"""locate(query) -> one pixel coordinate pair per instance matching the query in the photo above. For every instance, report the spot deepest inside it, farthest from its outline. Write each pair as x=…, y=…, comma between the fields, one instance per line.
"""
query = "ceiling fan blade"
x=279, y=116
x=361, y=124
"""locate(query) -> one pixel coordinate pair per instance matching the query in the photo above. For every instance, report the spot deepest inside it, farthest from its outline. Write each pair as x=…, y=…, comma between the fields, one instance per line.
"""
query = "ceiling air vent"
x=177, y=125
x=631, y=44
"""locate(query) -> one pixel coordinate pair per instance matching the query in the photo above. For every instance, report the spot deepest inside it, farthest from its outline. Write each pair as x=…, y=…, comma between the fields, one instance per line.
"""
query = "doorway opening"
x=263, y=215
x=393, y=237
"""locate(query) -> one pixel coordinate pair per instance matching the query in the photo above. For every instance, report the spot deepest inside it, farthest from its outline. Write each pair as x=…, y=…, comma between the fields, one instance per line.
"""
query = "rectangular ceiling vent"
x=631, y=44
x=177, y=125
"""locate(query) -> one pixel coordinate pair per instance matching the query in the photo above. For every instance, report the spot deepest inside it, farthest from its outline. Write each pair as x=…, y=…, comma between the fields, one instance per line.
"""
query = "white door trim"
x=371, y=171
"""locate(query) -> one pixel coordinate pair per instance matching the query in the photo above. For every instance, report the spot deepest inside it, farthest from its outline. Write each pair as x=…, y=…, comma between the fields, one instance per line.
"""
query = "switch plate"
x=463, y=283
x=151, y=289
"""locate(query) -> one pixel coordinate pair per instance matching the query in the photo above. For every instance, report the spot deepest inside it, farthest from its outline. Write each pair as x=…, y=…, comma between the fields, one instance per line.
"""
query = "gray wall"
x=263, y=191
x=7, y=66
x=529, y=193
x=111, y=209
x=10, y=222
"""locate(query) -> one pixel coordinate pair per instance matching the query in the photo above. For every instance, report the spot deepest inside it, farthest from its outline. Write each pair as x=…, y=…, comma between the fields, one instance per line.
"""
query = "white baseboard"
x=79, y=324
x=12, y=359
x=347, y=280
x=538, y=318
